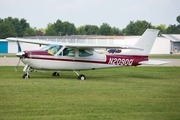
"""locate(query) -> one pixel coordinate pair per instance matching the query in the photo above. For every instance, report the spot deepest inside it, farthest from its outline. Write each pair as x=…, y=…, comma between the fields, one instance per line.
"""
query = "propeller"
x=16, y=68
x=19, y=50
x=19, y=47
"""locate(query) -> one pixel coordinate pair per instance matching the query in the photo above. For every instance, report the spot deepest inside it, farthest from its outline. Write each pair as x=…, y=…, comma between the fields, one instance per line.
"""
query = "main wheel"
x=55, y=74
x=81, y=77
x=25, y=76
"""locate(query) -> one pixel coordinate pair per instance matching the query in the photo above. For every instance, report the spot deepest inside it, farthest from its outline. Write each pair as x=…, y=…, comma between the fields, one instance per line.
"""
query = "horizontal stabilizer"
x=153, y=62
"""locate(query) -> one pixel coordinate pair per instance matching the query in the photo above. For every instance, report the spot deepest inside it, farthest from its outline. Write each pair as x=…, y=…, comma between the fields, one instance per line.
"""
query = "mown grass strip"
x=119, y=93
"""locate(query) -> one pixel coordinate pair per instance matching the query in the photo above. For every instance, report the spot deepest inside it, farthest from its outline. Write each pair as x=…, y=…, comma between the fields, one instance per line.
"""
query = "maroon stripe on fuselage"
x=110, y=59
x=67, y=60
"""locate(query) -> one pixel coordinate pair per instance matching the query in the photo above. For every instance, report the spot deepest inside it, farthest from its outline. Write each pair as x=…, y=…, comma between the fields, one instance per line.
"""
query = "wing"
x=72, y=45
x=32, y=41
x=153, y=62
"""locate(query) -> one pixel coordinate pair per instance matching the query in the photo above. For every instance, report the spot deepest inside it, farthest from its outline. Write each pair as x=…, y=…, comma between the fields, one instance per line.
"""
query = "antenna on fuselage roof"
x=81, y=38
x=64, y=37
x=67, y=41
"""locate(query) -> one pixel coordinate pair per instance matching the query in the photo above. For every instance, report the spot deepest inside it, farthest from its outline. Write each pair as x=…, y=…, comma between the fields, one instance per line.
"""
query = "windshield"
x=52, y=49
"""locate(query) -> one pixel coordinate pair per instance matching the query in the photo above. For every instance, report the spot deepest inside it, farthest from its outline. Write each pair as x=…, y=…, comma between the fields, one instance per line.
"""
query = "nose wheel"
x=26, y=76
x=27, y=69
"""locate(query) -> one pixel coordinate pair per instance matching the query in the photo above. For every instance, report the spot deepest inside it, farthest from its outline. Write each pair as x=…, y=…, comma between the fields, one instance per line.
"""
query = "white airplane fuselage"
x=95, y=61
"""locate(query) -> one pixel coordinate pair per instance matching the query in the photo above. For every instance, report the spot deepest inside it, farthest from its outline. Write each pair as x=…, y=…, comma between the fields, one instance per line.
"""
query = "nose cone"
x=20, y=54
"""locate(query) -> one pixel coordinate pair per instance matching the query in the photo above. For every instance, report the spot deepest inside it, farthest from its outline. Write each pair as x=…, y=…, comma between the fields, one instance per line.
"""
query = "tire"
x=55, y=74
x=81, y=77
x=25, y=76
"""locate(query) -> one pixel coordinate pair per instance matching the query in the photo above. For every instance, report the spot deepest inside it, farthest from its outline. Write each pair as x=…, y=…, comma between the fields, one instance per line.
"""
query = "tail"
x=145, y=42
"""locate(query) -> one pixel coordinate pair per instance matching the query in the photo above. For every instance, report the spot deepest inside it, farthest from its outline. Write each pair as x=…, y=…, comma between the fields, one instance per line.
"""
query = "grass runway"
x=138, y=93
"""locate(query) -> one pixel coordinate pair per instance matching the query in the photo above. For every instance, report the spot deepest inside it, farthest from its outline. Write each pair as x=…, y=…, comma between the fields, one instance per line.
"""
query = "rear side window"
x=85, y=53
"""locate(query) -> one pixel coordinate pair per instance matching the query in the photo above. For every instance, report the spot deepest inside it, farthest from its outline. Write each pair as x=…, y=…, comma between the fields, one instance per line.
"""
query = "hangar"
x=164, y=44
x=174, y=42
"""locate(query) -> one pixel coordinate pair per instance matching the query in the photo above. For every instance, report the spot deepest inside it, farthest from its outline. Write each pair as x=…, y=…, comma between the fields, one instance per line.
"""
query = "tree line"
x=14, y=27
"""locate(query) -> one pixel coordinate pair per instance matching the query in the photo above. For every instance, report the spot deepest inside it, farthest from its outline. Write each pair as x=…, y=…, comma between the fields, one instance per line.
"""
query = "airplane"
x=59, y=57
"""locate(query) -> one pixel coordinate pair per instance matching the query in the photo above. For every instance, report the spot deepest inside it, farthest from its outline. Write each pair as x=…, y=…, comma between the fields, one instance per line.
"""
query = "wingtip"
x=11, y=39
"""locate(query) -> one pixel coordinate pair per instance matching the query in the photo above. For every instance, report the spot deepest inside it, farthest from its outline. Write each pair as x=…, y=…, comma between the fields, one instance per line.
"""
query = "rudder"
x=145, y=42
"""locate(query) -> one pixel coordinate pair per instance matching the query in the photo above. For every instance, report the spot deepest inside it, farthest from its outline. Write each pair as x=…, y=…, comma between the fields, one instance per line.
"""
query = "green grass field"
x=140, y=93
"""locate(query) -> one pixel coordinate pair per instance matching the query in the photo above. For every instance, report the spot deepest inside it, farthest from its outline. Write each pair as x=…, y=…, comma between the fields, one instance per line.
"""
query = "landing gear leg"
x=26, y=69
x=80, y=76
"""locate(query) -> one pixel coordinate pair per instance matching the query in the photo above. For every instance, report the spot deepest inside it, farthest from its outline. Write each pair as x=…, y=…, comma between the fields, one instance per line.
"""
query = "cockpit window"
x=52, y=49
x=85, y=53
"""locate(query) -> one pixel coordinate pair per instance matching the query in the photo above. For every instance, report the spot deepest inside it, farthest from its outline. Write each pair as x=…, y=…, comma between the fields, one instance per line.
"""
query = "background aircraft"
x=67, y=56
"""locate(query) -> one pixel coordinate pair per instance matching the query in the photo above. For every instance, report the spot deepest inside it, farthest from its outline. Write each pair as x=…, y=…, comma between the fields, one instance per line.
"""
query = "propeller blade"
x=19, y=55
x=16, y=68
x=19, y=46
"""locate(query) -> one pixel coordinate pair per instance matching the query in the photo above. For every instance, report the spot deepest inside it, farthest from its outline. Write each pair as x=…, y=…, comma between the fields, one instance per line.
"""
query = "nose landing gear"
x=27, y=69
x=26, y=76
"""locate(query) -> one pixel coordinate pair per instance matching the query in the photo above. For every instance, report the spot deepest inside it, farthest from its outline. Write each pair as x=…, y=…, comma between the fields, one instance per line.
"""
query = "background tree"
x=60, y=28
x=88, y=30
x=81, y=30
x=1, y=20
x=136, y=28
x=29, y=32
x=91, y=29
x=174, y=29
x=178, y=19
x=162, y=28
x=50, y=31
x=105, y=29
x=68, y=29
x=19, y=25
x=39, y=33
x=178, y=26
x=7, y=30
x=116, y=31
x=16, y=26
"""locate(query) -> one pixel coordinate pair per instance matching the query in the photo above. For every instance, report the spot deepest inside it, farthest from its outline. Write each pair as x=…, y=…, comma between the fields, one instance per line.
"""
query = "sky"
x=117, y=13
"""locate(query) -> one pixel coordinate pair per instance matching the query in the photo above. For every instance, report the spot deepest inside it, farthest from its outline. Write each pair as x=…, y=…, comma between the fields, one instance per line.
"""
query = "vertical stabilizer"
x=145, y=42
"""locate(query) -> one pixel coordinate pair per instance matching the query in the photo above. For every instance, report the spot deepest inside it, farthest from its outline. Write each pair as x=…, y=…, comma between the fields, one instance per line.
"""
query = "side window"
x=84, y=53
x=68, y=52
